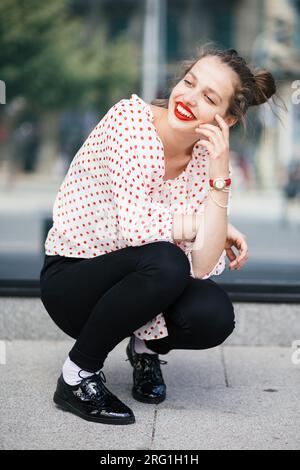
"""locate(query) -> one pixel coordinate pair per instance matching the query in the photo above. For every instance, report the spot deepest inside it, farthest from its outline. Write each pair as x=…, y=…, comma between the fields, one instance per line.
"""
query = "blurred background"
x=64, y=63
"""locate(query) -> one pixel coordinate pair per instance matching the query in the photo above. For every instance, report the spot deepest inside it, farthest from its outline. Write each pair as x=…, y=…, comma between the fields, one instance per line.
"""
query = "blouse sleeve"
x=141, y=220
x=218, y=268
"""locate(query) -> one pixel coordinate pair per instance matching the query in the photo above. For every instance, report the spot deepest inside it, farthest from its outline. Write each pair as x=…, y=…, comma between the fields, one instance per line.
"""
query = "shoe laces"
x=95, y=392
x=98, y=373
x=149, y=363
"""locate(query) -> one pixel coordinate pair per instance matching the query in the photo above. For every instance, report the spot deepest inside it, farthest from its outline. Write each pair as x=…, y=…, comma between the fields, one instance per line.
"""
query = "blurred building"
x=265, y=32
x=277, y=48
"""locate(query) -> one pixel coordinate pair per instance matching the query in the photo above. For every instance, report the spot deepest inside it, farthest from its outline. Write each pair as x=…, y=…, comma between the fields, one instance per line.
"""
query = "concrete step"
x=257, y=324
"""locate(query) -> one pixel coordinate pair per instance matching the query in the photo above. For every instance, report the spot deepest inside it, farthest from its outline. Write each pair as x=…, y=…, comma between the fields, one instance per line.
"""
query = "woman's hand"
x=217, y=145
x=237, y=239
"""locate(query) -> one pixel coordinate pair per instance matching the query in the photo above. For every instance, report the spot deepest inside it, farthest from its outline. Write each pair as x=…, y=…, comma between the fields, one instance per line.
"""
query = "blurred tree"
x=49, y=56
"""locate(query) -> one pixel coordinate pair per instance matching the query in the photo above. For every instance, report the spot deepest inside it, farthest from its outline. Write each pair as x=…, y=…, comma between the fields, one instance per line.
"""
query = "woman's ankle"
x=140, y=346
x=70, y=372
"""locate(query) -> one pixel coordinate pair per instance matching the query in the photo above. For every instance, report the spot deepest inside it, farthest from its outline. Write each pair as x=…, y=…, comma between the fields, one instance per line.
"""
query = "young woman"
x=124, y=257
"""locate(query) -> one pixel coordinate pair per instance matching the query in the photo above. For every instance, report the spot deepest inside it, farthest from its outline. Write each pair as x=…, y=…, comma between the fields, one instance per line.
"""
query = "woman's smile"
x=182, y=114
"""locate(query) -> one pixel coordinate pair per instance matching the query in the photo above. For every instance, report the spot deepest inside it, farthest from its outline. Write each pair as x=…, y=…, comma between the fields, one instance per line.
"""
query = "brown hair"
x=256, y=86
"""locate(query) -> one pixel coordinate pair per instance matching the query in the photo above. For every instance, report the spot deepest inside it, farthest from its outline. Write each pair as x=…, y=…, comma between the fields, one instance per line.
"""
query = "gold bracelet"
x=218, y=204
x=225, y=190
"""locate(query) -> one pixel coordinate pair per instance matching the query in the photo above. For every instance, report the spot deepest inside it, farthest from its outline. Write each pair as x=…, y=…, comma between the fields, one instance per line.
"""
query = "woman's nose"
x=190, y=101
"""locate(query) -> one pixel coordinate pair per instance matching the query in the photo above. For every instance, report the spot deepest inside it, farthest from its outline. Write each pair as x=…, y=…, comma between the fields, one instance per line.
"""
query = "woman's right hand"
x=217, y=146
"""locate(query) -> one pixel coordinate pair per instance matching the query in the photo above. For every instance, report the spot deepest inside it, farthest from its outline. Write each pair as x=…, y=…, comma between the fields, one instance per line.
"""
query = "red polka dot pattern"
x=114, y=196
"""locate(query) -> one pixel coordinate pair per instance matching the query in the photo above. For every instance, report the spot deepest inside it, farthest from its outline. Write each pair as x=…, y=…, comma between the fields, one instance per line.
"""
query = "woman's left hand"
x=238, y=239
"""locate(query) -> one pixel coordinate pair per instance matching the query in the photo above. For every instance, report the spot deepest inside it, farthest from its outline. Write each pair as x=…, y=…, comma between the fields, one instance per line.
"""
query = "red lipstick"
x=182, y=116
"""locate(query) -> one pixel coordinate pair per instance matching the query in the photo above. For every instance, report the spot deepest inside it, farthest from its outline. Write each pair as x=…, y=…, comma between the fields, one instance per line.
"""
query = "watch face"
x=219, y=183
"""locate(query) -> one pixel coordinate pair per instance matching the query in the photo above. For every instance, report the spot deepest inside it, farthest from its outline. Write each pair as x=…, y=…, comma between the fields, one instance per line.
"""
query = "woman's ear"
x=231, y=121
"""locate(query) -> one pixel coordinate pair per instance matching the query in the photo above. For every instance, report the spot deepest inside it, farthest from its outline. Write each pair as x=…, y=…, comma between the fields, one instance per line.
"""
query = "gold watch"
x=219, y=183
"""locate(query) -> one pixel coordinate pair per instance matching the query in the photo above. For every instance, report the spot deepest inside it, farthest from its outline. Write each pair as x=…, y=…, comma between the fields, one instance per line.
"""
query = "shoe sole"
x=64, y=405
x=138, y=397
x=143, y=399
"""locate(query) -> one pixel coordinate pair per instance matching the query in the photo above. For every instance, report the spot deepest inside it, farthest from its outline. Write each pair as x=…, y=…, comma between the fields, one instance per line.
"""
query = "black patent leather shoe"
x=148, y=382
x=91, y=400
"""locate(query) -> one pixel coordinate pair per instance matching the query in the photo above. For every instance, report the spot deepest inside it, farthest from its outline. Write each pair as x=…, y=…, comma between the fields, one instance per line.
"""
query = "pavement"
x=227, y=397
x=243, y=394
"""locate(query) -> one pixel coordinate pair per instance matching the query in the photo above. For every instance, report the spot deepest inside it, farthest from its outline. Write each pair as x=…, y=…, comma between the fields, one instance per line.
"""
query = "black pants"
x=102, y=300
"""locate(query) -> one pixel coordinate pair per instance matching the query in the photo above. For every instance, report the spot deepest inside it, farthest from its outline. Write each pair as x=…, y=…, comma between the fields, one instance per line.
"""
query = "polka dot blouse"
x=114, y=196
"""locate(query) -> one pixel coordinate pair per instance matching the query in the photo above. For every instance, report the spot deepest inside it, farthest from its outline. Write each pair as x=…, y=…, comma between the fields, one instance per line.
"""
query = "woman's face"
x=206, y=91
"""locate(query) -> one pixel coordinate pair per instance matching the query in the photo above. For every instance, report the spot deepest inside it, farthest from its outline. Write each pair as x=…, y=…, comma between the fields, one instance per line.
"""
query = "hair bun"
x=265, y=86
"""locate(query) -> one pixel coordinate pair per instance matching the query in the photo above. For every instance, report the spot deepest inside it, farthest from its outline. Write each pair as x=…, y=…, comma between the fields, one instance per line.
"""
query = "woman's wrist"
x=219, y=174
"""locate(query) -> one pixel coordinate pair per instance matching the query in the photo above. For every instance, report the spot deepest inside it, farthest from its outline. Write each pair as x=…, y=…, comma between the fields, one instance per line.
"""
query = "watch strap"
x=227, y=181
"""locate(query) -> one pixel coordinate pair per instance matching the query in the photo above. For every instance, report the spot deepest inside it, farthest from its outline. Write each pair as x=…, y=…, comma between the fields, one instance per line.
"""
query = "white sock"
x=140, y=346
x=70, y=372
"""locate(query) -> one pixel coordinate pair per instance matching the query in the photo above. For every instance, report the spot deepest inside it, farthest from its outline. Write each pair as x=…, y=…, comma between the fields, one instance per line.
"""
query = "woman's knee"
x=170, y=262
x=225, y=313
x=225, y=322
x=212, y=315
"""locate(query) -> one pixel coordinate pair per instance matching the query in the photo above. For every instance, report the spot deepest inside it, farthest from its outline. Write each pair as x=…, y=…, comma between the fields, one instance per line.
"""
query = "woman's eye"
x=209, y=99
x=189, y=83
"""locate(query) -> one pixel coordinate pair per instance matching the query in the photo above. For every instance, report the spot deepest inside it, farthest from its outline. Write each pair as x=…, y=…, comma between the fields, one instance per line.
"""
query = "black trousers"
x=102, y=300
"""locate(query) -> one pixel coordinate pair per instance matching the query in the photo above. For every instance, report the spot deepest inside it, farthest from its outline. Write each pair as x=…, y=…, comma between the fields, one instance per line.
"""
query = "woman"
x=121, y=260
